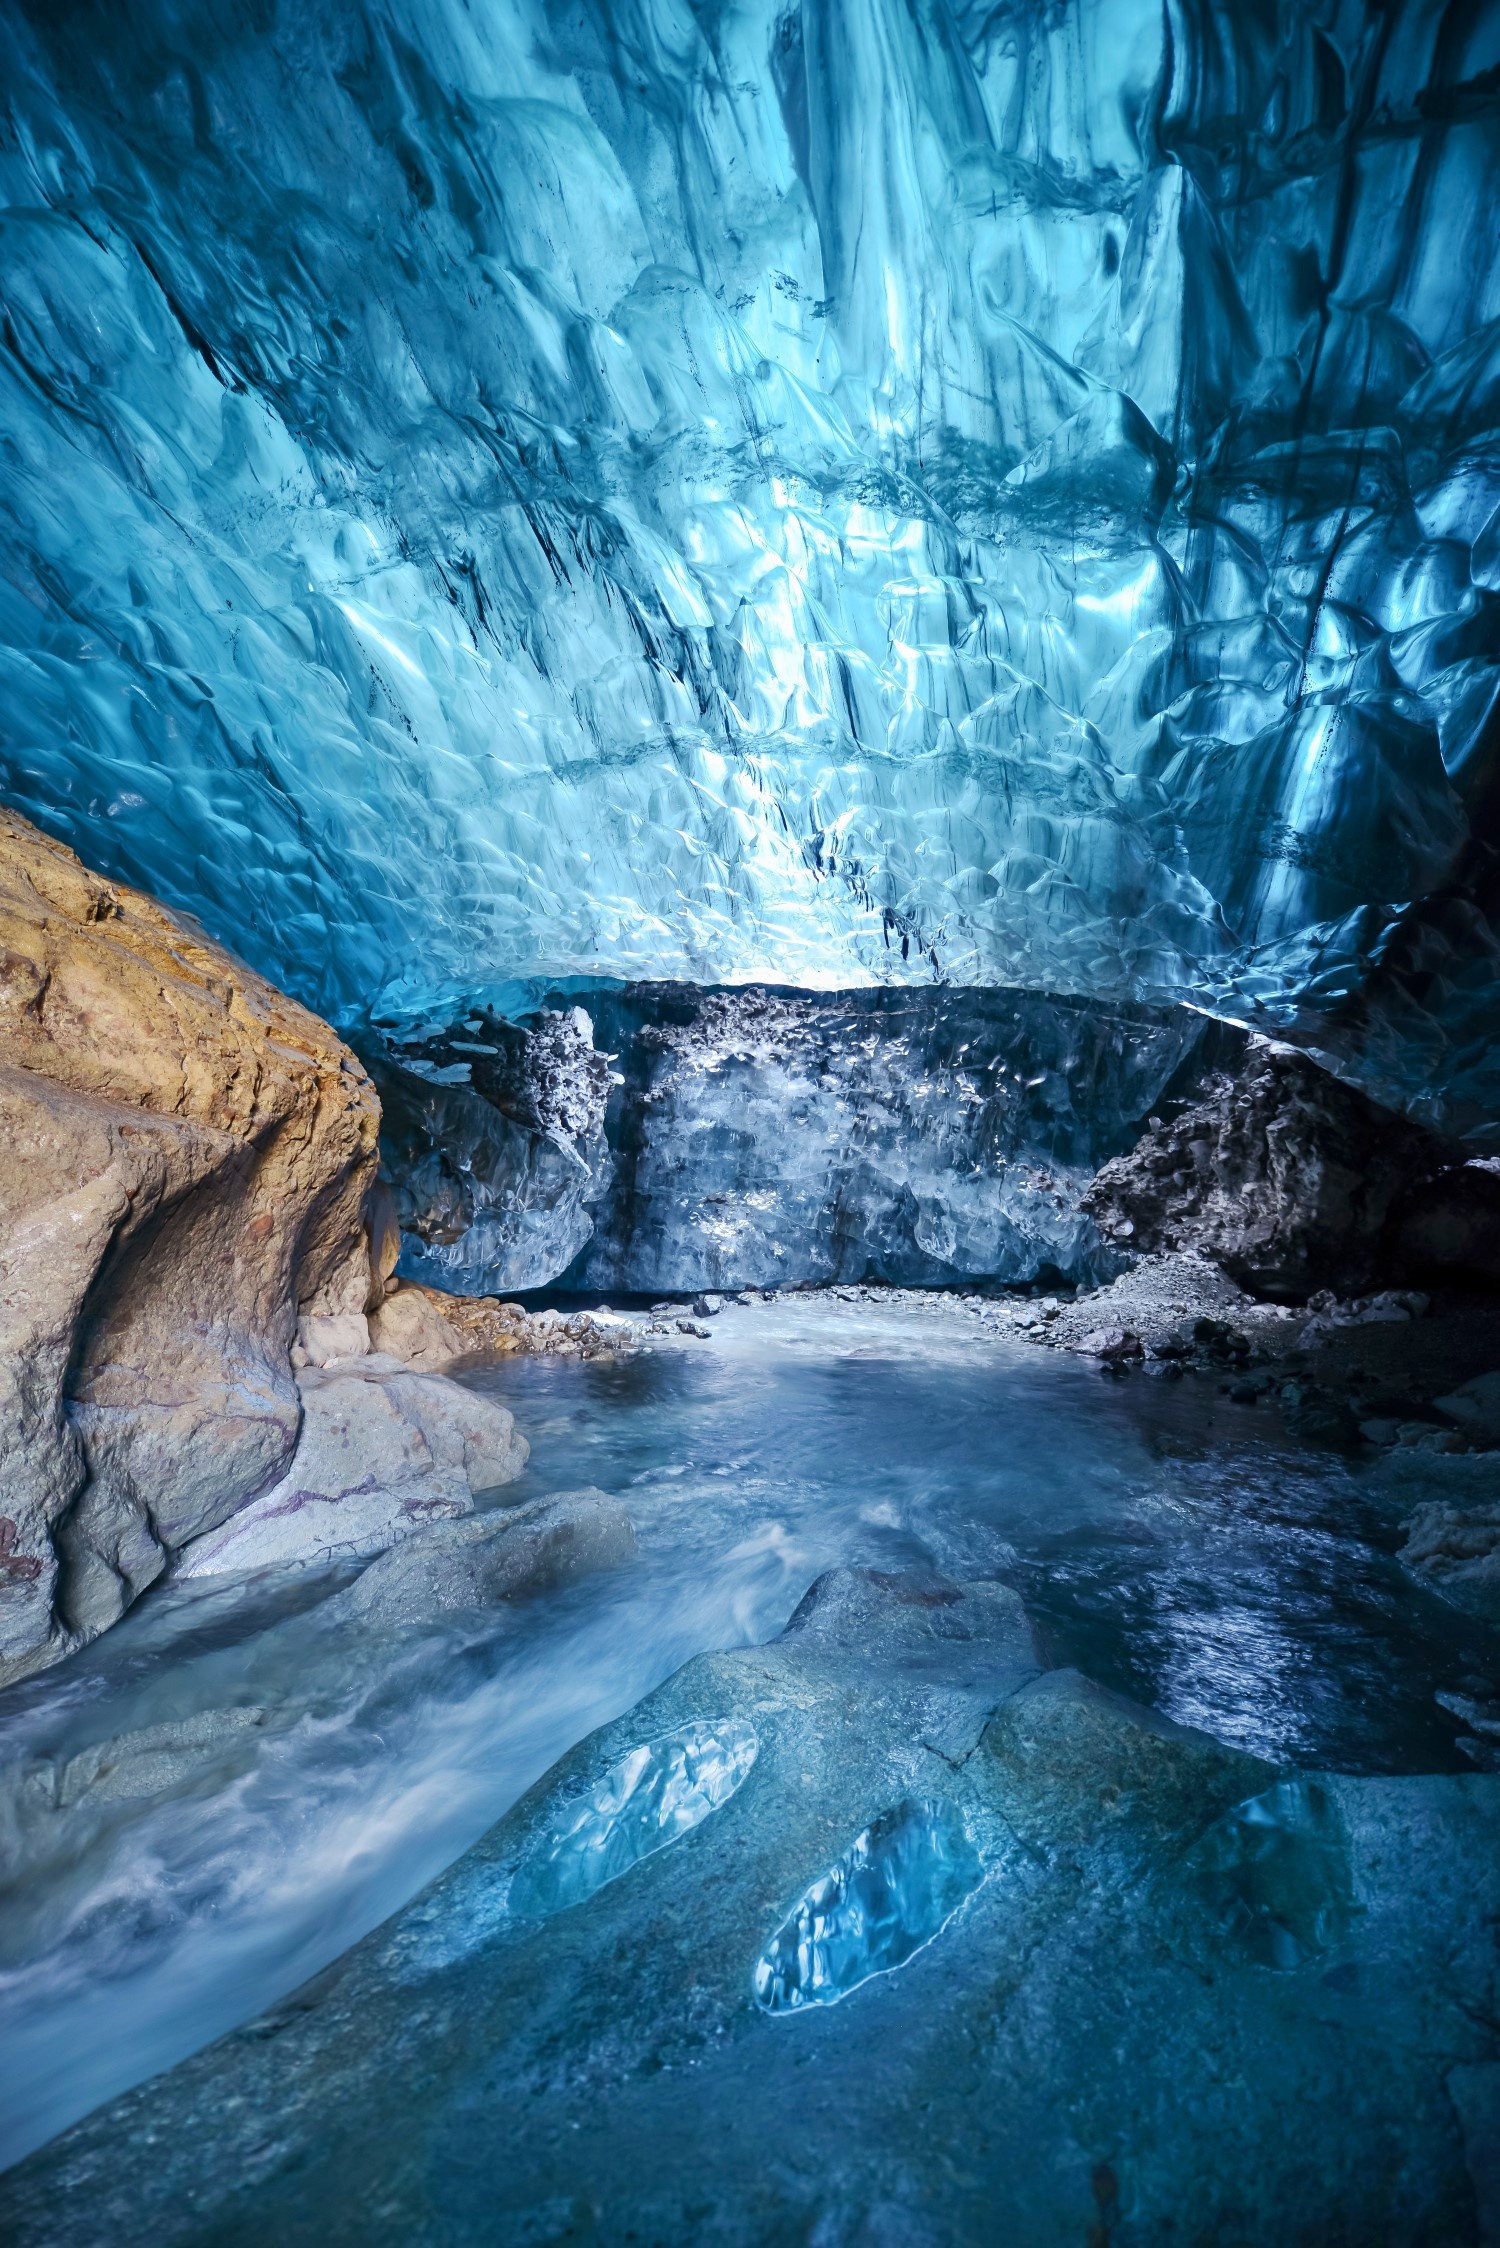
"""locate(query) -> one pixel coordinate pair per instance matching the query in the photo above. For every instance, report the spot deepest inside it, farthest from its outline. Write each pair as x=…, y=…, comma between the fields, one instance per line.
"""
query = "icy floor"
x=1171, y=1544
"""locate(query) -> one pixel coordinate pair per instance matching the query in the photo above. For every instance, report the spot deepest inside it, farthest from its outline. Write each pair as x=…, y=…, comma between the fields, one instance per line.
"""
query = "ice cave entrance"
x=749, y=1121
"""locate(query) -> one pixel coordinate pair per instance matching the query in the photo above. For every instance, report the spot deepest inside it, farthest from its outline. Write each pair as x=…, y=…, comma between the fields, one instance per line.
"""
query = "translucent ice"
x=752, y=1137
x=657, y=1793
x=895, y=1888
x=1277, y=1869
x=824, y=493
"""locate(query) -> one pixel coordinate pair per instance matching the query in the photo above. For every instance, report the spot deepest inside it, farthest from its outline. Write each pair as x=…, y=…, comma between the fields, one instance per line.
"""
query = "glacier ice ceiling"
x=864, y=491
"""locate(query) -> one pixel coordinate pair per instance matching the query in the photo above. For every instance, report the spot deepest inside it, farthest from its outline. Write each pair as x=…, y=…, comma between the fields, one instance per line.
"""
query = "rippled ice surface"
x=659, y=1792
x=894, y=1889
x=294, y=1778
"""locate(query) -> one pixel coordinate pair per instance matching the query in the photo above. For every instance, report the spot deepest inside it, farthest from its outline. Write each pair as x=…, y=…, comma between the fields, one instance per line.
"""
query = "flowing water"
x=237, y=1783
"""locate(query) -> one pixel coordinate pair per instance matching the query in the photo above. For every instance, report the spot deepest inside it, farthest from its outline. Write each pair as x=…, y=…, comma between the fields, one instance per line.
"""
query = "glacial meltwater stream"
x=234, y=1785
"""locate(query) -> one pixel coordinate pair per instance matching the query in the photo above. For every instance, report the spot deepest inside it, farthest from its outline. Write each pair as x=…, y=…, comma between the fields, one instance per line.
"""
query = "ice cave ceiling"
x=830, y=494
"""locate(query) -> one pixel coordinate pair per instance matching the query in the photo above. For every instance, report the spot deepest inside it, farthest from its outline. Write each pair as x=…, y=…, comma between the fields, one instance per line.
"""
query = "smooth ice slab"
x=653, y=1796
x=893, y=1890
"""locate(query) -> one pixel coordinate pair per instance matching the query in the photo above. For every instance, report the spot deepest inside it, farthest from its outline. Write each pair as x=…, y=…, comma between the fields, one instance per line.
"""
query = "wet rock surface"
x=475, y=1563
x=1147, y=1897
x=146, y=1761
x=381, y=1453
x=185, y=1158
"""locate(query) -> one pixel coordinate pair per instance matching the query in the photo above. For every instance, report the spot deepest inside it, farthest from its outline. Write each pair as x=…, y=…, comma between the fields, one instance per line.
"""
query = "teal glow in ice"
x=894, y=1889
x=826, y=493
x=651, y=1798
x=1277, y=1872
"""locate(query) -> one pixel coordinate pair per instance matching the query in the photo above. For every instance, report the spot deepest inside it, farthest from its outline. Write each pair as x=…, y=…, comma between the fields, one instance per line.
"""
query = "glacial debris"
x=1289, y=1179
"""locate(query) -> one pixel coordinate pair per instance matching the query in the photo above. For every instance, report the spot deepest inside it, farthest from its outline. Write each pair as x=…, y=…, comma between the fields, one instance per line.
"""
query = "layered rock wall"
x=185, y=1162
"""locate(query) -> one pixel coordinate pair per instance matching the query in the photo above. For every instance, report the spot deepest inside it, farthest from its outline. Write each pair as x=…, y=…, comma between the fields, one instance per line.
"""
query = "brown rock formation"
x=430, y=1330
x=185, y=1161
x=384, y=1451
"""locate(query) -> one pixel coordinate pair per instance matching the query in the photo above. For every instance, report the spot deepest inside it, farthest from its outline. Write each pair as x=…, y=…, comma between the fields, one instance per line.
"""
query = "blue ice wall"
x=824, y=493
x=755, y=1138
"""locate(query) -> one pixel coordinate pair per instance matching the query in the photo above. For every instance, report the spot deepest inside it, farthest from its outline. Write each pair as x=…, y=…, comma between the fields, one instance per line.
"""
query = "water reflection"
x=230, y=1788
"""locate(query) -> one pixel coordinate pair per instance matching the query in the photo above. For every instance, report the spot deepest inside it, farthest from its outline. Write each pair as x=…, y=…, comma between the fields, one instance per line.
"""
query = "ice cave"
x=750, y=1123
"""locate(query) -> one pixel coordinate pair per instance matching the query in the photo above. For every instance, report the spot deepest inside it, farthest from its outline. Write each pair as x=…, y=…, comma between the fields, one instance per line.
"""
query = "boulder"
x=493, y=1557
x=1113, y=1344
x=1475, y=1408
x=324, y=1338
x=430, y=1330
x=185, y=1160
x=150, y=1760
x=383, y=1452
x=1282, y=1174
x=1449, y=1226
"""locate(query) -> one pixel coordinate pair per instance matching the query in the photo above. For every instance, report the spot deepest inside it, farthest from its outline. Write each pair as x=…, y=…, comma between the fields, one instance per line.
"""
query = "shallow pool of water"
x=1177, y=1547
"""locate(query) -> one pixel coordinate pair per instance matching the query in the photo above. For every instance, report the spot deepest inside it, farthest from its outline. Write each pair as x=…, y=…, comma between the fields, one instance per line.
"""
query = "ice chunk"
x=1277, y=1871
x=652, y=1797
x=894, y=1889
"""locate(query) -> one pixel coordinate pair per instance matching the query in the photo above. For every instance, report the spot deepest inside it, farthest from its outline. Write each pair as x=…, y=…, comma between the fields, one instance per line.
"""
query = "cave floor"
x=1149, y=2011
